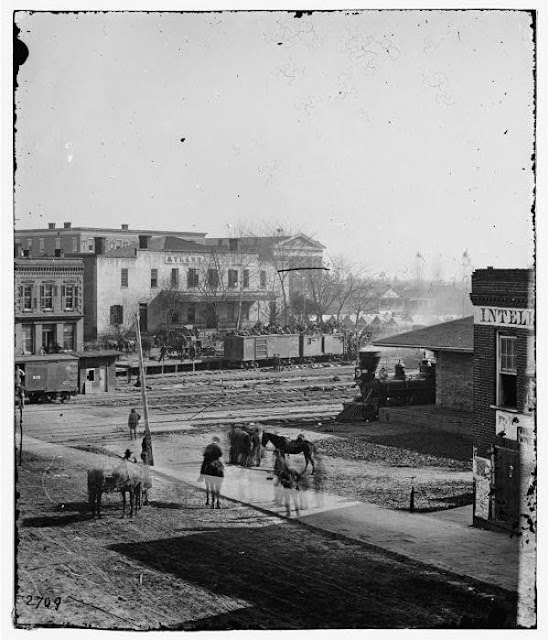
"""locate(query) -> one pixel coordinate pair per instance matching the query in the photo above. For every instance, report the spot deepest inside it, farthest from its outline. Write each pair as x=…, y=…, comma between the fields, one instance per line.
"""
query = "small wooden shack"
x=97, y=371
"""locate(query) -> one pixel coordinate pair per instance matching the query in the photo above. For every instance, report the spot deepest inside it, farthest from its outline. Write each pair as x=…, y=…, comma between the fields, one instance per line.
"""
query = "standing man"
x=133, y=421
x=147, y=481
x=20, y=384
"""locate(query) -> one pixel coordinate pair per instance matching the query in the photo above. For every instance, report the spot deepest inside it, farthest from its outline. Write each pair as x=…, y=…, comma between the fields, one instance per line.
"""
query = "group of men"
x=286, y=479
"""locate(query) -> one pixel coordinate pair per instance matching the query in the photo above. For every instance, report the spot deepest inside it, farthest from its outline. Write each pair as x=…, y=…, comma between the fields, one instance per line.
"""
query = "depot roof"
x=456, y=335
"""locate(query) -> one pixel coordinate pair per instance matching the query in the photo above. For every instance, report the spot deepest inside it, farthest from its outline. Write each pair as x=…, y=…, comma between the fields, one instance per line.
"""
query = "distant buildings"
x=55, y=241
x=49, y=313
x=173, y=279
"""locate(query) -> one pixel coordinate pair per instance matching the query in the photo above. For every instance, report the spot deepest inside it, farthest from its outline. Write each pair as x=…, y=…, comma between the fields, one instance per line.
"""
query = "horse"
x=255, y=444
x=286, y=446
x=213, y=476
x=99, y=482
x=128, y=478
x=240, y=443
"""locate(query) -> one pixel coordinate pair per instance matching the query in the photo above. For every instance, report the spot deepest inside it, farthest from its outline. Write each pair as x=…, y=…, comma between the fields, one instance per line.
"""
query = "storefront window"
x=68, y=337
x=27, y=339
x=48, y=338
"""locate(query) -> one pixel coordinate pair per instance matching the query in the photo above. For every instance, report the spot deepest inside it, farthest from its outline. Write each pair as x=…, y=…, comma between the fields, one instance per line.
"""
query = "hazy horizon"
x=379, y=133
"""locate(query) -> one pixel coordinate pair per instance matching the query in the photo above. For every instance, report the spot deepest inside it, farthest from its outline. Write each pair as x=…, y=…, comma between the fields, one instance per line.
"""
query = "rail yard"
x=175, y=555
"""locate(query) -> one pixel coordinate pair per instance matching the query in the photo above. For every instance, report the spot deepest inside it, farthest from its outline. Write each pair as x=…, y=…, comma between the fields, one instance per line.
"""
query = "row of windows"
x=57, y=244
x=29, y=300
x=212, y=278
x=48, y=338
x=117, y=314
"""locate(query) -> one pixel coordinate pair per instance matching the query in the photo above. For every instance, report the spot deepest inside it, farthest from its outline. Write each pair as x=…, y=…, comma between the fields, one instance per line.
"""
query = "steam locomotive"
x=382, y=391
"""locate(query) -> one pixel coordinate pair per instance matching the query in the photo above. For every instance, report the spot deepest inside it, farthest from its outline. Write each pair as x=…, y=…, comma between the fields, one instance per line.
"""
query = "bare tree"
x=321, y=288
x=213, y=283
x=246, y=261
x=167, y=304
x=286, y=258
x=362, y=299
x=348, y=277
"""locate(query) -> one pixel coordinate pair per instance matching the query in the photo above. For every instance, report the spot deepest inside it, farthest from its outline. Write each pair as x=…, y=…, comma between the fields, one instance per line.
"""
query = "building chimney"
x=99, y=243
x=144, y=242
x=67, y=225
x=125, y=227
x=51, y=225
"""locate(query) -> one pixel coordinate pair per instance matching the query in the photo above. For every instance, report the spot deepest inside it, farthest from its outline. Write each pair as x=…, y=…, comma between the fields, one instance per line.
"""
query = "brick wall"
x=503, y=287
x=454, y=385
x=512, y=288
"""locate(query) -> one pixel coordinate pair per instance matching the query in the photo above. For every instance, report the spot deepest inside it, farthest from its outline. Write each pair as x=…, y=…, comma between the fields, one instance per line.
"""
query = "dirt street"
x=178, y=565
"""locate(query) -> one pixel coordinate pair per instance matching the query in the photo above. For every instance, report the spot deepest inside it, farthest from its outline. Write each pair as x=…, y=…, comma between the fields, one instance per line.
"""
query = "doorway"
x=507, y=487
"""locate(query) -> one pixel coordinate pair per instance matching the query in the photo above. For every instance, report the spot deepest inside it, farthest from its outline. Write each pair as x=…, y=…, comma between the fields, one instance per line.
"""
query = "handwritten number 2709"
x=44, y=601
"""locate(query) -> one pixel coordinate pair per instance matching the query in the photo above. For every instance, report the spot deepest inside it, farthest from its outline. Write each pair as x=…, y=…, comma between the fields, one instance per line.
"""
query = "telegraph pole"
x=148, y=440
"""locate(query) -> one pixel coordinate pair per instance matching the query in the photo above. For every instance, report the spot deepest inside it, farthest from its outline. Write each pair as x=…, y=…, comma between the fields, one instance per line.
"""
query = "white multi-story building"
x=171, y=283
x=174, y=279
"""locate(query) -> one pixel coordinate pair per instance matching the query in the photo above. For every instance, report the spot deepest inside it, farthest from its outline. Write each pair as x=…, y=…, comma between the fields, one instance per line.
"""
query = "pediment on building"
x=302, y=242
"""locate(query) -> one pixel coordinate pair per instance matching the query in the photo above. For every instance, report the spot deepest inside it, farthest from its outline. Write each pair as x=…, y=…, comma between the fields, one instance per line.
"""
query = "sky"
x=380, y=133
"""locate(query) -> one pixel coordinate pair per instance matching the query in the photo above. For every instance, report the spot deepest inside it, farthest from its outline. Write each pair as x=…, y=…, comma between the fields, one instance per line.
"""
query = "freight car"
x=249, y=351
x=50, y=377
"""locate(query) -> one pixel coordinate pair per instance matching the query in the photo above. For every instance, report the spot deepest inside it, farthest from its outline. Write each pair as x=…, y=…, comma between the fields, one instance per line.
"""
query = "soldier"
x=133, y=421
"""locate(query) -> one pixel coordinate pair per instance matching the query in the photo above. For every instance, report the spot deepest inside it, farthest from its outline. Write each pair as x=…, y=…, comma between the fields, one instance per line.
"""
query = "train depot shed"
x=452, y=344
x=97, y=371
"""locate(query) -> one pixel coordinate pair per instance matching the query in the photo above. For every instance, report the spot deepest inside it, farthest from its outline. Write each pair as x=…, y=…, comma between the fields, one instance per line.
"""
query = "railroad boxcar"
x=310, y=346
x=241, y=349
x=333, y=344
x=249, y=349
x=285, y=346
x=49, y=377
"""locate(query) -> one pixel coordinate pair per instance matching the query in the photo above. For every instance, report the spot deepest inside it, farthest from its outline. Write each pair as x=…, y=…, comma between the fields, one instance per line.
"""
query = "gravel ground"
x=177, y=565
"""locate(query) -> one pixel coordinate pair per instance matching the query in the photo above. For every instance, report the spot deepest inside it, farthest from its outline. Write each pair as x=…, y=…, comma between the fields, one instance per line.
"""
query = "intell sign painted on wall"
x=505, y=317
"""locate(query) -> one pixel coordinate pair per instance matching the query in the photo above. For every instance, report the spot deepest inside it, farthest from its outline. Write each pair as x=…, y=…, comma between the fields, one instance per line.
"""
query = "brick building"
x=54, y=240
x=452, y=344
x=504, y=396
x=49, y=314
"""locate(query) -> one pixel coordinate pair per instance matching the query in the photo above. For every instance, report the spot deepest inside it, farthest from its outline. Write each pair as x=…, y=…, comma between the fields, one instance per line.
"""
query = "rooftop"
x=456, y=335
x=117, y=230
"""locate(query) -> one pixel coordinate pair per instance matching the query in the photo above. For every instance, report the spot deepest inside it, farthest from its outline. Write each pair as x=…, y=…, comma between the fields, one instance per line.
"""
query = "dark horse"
x=284, y=445
x=240, y=443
